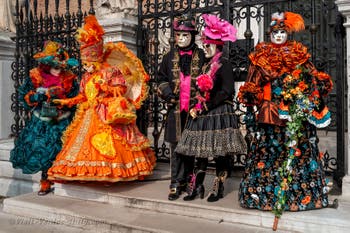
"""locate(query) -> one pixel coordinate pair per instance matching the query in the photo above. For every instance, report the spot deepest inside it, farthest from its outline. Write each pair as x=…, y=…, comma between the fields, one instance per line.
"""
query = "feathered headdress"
x=90, y=37
x=289, y=21
x=217, y=30
x=54, y=55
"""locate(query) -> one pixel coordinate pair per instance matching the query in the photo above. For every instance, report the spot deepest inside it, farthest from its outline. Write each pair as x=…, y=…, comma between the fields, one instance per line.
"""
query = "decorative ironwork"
x=34, y=26
x=324, y=36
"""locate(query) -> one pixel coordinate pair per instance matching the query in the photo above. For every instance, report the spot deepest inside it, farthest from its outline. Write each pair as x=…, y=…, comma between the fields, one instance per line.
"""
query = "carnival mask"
x=89, y=67
x=183, y=39
x=55, y=71
x=279, y=36
x=209, y=50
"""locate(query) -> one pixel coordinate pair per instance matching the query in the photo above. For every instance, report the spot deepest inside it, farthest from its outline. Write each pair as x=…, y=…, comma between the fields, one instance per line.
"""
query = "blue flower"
x=277, y=90
x=295, y=186
x=313, y=165
x=268, y=188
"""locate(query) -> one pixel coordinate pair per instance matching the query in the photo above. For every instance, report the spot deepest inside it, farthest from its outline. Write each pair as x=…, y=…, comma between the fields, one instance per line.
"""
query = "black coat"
x=167, y=85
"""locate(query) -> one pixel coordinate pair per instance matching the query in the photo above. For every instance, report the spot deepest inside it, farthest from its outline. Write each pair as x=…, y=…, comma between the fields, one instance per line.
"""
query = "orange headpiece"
x=289, y=21
x=90, y=37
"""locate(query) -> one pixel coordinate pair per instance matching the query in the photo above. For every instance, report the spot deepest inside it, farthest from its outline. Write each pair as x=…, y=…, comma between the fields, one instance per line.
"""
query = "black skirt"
x=213, y=134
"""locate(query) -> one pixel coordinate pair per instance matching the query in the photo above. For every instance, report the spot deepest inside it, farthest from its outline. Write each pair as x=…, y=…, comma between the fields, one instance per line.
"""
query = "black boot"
x=217, y=191
x=175, y=191
x=195, y=186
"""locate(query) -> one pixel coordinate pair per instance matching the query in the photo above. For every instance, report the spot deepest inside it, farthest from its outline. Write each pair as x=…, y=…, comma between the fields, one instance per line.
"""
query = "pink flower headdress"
x=218, y=30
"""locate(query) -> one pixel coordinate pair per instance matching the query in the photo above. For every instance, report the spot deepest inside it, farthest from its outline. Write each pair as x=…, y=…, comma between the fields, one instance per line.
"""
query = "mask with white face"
x=183, y=39
x=89, y=67
x=55, y=71
x=279, y=36
x=209, y=50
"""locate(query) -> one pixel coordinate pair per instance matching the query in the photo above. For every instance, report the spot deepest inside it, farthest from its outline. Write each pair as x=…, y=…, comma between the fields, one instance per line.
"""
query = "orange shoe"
x=45, y=187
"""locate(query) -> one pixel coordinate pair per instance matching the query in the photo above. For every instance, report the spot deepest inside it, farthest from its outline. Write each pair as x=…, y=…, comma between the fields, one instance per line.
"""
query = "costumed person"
x=103, y=142
x=176, y=77
x=40, y=140
x=283, y=168
x=212, y=130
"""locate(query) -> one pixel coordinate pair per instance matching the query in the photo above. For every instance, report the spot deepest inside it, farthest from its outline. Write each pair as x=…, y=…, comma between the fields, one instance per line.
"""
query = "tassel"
x=177, y=124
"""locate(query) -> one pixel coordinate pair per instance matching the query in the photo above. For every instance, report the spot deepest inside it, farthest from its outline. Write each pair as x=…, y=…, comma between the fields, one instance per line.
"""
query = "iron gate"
x=324, y=37
x=36, y=22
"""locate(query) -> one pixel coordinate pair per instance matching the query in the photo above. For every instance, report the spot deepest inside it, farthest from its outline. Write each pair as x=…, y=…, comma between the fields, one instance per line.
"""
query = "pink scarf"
x=50, y=80
x=185, y=91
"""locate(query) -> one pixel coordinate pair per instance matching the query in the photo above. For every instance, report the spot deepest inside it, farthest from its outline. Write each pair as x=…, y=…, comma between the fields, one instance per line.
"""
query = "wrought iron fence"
x=34, y=26
x=324, y=37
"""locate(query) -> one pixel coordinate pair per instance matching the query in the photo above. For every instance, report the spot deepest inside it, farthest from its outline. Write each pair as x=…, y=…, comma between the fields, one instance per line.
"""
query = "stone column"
x=119, y=19
x=7, y=48
x=344, y=8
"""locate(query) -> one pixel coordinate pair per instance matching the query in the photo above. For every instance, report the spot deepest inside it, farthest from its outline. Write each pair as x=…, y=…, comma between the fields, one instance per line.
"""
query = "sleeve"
x=320, y=115
x=165, y=78
x=251, y=93
x=25, y=92
x=76, y=95
x=225, y=87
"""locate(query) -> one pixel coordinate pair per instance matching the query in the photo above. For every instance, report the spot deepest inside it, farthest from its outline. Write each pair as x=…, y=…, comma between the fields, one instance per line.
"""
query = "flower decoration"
x=204, y=82
x=300, y=97
x=250, y=94
x=219, y=29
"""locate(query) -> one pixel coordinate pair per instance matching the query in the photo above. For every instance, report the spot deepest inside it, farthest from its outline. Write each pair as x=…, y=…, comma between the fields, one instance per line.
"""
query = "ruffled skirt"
x=213, y=134
x=94, y=151
x=38, y=144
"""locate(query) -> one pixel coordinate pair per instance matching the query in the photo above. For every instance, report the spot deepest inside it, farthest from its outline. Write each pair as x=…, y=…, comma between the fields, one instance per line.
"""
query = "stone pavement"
x=142, y=206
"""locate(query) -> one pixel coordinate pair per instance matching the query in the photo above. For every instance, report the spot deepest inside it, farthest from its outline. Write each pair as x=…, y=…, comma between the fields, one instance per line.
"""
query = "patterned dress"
x=305, y=187
x=98, y=145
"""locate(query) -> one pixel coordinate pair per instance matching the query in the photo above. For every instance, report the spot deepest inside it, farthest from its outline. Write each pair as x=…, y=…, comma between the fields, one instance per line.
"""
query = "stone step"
x=104, y=217
x=12, y=181
x=151, y=196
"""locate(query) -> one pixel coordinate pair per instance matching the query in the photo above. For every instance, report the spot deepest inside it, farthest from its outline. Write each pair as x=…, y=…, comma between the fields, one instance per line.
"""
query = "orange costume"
x=103, y=143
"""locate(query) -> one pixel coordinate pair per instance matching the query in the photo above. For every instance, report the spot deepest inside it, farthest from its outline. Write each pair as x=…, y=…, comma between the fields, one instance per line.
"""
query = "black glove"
x=171, y=103
x=38, y=97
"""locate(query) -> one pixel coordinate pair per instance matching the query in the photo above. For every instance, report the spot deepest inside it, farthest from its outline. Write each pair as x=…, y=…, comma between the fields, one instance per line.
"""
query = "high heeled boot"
x=195, y=186
x=217, y=191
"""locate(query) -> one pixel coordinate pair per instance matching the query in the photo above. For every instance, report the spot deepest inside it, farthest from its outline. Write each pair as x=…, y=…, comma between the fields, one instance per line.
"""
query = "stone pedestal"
x=7, y=48
x=119, y=20
x=344, y=8
x=120, y=28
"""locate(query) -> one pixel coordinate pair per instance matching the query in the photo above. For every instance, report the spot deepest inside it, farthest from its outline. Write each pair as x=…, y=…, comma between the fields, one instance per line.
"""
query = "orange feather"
x=294, y=22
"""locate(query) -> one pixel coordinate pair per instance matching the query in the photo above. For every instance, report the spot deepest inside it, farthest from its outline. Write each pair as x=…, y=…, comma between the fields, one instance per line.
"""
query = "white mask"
x=55, y=71
x=278, y=37
x=89, y=67
x=209, y=50
x=183, y=39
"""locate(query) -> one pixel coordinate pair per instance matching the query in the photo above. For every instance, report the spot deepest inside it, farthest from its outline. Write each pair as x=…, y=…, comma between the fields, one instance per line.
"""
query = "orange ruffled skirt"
x=94, y=151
